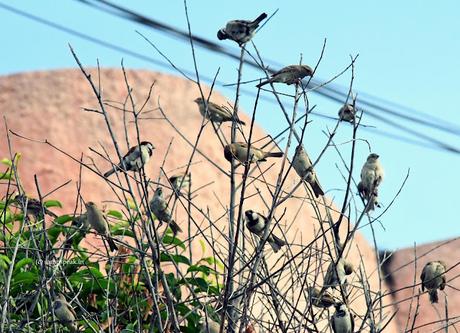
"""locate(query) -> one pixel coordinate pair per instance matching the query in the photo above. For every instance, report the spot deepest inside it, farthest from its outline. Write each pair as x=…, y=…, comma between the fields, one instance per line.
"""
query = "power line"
x=115, y=47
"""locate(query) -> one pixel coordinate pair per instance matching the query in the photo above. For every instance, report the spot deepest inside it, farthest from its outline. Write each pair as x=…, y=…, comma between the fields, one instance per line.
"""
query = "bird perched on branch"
x=320, y=300
x=433, y=278
x=239, y=150
x=303, y=166
x=371, y=177
x=98, y=222
x=32, y=206
x=180, y=181
x=289, y=75
x=134, y=159
x=210, y=326
x=336, y=273
x=342, y=321
x=347, y=113
x=159, y=208
x=256, y=224
x=216, y=113
x=240, y=31
x=65, y=313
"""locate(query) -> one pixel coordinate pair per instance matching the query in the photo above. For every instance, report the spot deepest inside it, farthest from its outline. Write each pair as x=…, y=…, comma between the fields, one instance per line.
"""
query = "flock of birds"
x=342, y=321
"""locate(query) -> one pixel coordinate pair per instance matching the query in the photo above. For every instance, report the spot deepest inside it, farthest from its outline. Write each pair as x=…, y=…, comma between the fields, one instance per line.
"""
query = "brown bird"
x=32, y=206
x=320, y=300
x=371, y=177
x=134, y=159
x=180, y=181
x=65, y=313
x=303, y=166
x=216, y=113
x=256, y=223
x=289, y=75
x=433, y=278
x=239, y=151
x=336, y=274
x=240, y=31
x=98, y=222
x=159, y=208
x=347, y=113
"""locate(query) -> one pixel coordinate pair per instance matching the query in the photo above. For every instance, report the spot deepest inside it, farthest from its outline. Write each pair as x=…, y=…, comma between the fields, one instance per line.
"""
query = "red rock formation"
x=48, y=106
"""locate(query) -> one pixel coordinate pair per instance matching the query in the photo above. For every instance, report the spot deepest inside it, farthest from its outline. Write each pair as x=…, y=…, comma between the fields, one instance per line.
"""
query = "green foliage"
x=55, y=259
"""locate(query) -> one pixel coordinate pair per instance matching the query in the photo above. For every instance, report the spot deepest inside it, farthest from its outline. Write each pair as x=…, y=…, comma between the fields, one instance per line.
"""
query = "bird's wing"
x=133, y=153
x=422, y=277
x=287, y=69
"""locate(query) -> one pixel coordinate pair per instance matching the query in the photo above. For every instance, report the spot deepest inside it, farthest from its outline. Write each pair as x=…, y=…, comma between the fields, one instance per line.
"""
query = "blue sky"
x=409, y=54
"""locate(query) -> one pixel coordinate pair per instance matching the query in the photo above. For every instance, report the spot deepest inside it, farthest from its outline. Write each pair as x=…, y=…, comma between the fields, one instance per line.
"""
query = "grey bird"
x=239, y=151
x=289, y=75
x=320, y=300
x=98, y=222
x=134, y=159
x=159, y=208
x=371, y=177
x=337, y=276
x=240, y=31
x=216, y=113
x=342, y=321
x=180, y=181
x=256, y=223
x=65, y=313
x=303, y=166
x=433, y=278
x=347, y=113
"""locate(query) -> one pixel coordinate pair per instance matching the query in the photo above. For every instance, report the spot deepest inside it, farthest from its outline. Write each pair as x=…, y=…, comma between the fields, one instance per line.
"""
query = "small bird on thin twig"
x=180, y=181
x=347, y=113
x=303, y=166
x=336, y=273
x=240, y=31
x=98, y=222
x=239, y=151
x=65, y=313
x=371, y=177
x=256, y=224
x=134, y=159
x=433, y=278
x=289, y=75
x=32, y=206
x=342, y=321
x=320, y=300
x=159, y=208
x=216, y=113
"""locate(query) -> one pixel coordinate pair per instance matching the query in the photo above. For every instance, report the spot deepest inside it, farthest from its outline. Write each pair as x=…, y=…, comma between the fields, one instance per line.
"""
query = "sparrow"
x=134, y=159
x=256, y=223
x=303, y=166
x=216, y=113
x=98, y=222
x=335, y=277
x=371, y=176
x=33, y=206
x=65, y=313
x=347, y=113
x=289, y=75
x=159, y=208
x=239, y=150
x=240, y=31
x=342, y=321
x=180, y=181
x=433, y=278
x=320, y=300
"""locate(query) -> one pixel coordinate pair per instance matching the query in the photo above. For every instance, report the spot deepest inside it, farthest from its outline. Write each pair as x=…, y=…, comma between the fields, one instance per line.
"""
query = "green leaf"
x=180, y=259
x=200, y=283
x=116, y=214
x=170, y=240
x=63, y=219
x=24, y=279
x=52, y=203
x=21, y=263
x=201, y=268
x=5, y=262
x=6, y=161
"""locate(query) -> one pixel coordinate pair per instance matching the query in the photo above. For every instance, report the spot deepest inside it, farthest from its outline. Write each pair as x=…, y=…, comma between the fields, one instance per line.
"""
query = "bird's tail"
x=259, y=19
x=222, y=34
x=112, y=245
x=274, y=154
x=276, y=243
x=317, y=189
x=263, y=83
x=174, y=227
x=433, y=295
x=109, y=173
